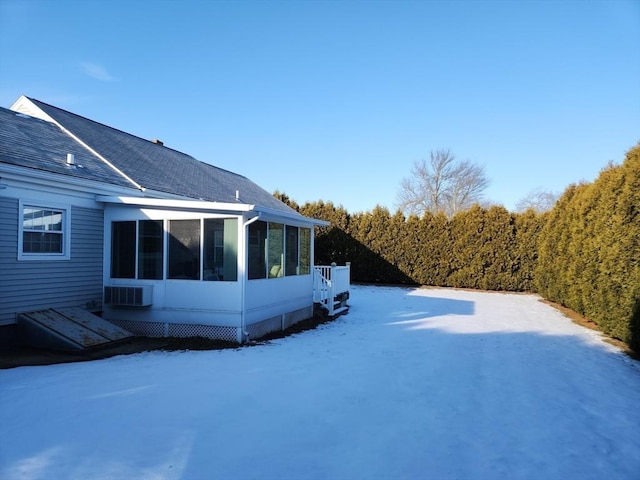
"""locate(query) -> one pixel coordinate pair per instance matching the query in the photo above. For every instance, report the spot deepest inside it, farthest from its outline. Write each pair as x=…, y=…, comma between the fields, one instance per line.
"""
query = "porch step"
x=340, y=310
x=337, y=311
x=71, y=329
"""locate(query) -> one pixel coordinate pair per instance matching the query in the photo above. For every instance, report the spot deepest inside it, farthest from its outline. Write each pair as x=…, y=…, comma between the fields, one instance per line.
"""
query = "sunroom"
x=189, y=268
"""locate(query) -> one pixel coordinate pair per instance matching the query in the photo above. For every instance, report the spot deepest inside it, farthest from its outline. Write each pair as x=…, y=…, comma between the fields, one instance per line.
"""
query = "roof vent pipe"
x=71, y=159
x=237, y=195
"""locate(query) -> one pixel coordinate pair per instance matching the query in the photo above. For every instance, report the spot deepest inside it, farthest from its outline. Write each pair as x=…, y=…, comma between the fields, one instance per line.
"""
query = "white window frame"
x=66, y=230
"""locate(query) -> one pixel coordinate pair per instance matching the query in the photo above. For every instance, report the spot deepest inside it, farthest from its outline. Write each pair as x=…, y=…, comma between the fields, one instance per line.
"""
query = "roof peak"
x=155, y=141
x=150, y=166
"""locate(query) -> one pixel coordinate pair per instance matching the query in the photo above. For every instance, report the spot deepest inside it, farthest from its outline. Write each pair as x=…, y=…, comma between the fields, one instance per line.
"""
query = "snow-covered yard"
x=411, y=384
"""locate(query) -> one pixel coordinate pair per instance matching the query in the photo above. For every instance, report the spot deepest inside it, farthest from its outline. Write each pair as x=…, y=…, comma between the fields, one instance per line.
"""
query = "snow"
x=411, y=384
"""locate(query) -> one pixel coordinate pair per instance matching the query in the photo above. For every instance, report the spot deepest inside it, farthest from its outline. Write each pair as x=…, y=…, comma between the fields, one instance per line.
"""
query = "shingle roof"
x=29, y=142
x=159, y=168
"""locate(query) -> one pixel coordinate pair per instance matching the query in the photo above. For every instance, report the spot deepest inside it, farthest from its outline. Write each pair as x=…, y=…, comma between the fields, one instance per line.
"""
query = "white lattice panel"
x=206, y=331
x=145, y=329
x=152, y=329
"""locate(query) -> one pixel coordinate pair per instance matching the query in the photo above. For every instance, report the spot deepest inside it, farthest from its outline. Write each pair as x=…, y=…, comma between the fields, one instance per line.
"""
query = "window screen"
x=150, y=249
x=275, y=261
x=184, y=249
x=220, y=249
x=257, y=250
x=305, y=251
x=123, y=250
x=291, y=243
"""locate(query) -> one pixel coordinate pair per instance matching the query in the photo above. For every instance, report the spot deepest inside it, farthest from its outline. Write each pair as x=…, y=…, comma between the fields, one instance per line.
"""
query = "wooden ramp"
x=70, y=328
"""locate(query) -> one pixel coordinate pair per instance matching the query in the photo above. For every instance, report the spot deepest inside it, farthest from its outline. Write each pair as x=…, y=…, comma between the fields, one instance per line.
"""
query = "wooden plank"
x=94, y=323
x=63, y=326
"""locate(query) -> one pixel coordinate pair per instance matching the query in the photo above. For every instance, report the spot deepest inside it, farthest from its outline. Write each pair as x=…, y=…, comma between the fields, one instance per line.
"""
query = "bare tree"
x=538, y=199
x=443, y=184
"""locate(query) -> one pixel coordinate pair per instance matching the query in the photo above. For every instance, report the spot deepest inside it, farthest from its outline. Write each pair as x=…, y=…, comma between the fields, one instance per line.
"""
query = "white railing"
x=331, y=283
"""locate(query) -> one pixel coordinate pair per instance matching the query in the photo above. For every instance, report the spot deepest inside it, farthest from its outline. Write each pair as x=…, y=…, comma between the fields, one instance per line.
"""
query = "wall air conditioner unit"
x=141, y=296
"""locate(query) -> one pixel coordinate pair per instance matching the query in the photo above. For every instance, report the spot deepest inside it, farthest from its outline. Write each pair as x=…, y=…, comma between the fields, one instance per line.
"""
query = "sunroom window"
x=292, y=266
x=305, y=251
x=220, y=258
x=257, y=250
x=277, y=250
x=138, y=249
x=184, y=249
x=275, y=260
x=123, y=249
x=150, y=246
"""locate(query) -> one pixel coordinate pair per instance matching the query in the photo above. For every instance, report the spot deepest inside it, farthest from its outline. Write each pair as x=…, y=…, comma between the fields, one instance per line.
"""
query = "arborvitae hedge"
x=525, y=254
x=478, y=248
x=584, y=253
x=590, y=250
x=482, y=248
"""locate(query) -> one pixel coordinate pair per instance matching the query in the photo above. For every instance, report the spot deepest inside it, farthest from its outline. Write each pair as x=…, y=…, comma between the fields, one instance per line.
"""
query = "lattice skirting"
x=145, y=329
x=214, y=332
x=230, y=334
x=154, y=329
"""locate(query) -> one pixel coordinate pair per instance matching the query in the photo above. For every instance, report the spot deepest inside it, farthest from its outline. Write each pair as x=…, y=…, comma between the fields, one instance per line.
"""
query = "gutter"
x=294, y=216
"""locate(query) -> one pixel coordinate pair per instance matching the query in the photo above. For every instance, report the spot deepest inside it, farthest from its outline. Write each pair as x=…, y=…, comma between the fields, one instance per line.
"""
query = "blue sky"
x=335, y=101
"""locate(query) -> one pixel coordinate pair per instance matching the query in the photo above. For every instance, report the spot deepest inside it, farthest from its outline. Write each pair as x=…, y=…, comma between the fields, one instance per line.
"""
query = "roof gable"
x=40, y=145
x=159, y=168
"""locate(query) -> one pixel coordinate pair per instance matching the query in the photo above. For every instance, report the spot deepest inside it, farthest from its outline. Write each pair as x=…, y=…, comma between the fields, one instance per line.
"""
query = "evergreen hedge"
x=590, y=250
x=490, y=249
x=583, y=254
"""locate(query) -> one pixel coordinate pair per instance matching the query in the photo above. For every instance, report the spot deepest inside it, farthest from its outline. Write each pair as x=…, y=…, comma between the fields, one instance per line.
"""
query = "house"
x=159, y=243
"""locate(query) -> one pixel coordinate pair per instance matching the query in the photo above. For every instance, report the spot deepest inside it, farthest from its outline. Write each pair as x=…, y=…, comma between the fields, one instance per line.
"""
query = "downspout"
x=245, y=275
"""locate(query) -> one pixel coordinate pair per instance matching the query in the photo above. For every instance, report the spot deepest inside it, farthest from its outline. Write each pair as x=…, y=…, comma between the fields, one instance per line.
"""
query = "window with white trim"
x=43, y=232
x=277, y=250
x=196, y=249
